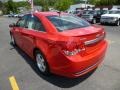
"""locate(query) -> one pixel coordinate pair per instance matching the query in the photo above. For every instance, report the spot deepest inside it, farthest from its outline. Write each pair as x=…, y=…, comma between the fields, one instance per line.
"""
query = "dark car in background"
x=78, y=13
x=11, y=15
x=93, y=16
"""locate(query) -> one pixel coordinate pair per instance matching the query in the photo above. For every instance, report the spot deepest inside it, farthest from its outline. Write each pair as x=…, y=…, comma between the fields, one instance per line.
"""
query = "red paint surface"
x=52, y=43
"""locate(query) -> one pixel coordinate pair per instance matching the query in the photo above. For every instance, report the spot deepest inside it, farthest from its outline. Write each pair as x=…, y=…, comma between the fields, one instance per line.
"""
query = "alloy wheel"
x=94, y=21
x=118, y=23
x=13, y=40
x=41, y=62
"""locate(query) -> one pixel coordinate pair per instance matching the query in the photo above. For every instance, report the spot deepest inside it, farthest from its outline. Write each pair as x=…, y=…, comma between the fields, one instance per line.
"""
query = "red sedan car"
x=60, y=43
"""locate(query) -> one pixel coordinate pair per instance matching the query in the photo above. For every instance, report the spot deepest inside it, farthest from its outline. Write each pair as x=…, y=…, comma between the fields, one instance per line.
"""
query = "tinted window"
x=34, y=23
x=76, y=12
x=85, y=12
x=67, y=22
x=104, y=11
x=21, y=22
x=30, y=22
x=94, y=12
x=38, y=25
x=91, y=12
x=114, y=12
x=98, y=12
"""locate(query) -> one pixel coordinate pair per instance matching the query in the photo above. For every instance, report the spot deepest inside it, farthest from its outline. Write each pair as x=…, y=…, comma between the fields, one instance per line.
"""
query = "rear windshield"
x=91, y=12
x=114, y=12
x=94, y=12
x=104, y=11
x=85, y=12
x=67, y=22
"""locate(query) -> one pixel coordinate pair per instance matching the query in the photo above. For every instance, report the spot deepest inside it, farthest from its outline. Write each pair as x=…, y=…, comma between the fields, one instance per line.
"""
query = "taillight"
x=73, y=48
x=70, y=47
x=74, y=52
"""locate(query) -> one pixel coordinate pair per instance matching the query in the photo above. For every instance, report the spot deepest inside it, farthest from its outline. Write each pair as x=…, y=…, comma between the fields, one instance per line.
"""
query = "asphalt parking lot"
x=14, y=62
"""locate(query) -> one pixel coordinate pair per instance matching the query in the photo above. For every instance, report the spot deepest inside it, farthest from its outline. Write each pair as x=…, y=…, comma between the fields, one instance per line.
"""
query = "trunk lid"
x=85, y=34
x=90, y=36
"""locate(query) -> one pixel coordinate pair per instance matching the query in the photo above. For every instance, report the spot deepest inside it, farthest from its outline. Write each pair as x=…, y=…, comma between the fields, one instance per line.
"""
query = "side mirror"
x=12, y=25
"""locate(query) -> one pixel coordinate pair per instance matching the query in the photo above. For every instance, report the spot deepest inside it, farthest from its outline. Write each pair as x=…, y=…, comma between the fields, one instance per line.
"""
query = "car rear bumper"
x=108, y=21
x=78, y=65
x=86, y=70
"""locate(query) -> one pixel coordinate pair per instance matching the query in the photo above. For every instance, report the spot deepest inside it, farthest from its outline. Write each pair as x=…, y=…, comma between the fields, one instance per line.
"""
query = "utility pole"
x=85, y=4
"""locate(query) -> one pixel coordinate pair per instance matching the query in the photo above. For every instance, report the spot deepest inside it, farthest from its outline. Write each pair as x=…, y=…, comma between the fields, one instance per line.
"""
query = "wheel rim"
x=40, y=62
x=94, y=21
x=118, y=23
x=12, y=40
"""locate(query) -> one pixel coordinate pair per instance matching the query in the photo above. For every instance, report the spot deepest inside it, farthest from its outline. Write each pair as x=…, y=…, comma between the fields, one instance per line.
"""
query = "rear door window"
x=22, y=21
x=34, y=23
x=30, y=22
x=38, y=25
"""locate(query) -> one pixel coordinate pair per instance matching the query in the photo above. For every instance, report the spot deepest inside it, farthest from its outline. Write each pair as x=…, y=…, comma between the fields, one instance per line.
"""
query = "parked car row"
x=93, y=16
x=15, y=15
x=100, y=16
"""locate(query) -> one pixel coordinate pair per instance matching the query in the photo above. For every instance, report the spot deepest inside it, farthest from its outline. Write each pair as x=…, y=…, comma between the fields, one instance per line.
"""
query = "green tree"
x=93, y=1
x=1, y=4
x=22, y=4
x=43, y=3
x=11, y=6
x=63, y=5
x=105, y=2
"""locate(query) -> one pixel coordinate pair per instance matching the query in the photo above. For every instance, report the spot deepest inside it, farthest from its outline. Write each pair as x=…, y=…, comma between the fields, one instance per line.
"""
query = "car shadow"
x=111, y=25
x=56, y=80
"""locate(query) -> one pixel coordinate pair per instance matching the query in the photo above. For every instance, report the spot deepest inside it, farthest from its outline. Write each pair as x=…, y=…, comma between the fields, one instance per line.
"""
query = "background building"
x=80, y=6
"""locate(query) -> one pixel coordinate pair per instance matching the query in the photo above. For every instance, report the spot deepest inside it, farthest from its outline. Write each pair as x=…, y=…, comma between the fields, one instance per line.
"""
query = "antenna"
x=32, y=6
x=59, y=12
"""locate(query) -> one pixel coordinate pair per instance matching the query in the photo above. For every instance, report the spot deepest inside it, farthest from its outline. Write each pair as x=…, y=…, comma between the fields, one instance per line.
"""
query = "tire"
x=94, y=21
x=118, y=23
x=102, y=23
x=41, y=63
x=13, y=40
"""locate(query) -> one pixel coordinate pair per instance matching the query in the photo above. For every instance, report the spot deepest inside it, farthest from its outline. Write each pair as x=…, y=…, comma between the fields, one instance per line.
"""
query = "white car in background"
x=15, y=15
x=112, y=17
x=20, y=15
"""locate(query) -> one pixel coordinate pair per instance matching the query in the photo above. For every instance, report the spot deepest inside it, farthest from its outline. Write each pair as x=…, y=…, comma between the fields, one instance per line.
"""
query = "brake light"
x=74, y=52
x=70, y=47
x=73, y=48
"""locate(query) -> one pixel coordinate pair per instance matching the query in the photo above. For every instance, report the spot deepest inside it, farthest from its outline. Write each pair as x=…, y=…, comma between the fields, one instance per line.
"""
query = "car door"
x=17, y=30
x=33, y=25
